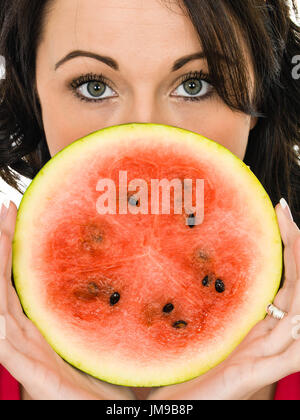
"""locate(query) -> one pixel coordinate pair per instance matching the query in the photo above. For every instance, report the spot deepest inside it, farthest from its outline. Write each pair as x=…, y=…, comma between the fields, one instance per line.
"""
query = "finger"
x=282, y=336
x=289, y=233
x=7, y=225
x=5, y=308
x=295, y=309
x=285, y=218
x=16, y=363
x=283, y=298
x=13, y=300
x=2, y=327
x=291, y=358
x=4, y=259
x=8, y=218
x=8, y=297
x=269, y=370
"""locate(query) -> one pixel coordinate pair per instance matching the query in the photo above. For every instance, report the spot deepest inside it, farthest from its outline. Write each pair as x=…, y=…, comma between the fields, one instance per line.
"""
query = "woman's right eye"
x=95, y=90
x=92, y=88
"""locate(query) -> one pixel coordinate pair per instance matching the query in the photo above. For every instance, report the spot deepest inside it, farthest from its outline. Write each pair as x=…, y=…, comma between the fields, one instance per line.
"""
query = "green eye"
x=95, y=90
x=193, y=86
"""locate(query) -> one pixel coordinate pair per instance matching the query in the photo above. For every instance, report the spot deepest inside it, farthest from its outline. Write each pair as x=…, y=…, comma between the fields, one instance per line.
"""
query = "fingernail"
x=4, y=208
x=2, y=328
x=285, y=207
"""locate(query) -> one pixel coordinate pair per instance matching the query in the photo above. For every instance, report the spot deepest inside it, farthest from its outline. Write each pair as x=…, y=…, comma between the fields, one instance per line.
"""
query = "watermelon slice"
x=138, y=297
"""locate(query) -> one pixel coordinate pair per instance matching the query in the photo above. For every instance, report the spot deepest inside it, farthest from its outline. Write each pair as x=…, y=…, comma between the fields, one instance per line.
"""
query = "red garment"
x=287, y=389
x=9, y=387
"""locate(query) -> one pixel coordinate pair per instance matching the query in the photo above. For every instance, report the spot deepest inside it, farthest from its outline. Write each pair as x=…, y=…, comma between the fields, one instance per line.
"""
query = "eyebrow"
x=114, y=65
x=78, y=53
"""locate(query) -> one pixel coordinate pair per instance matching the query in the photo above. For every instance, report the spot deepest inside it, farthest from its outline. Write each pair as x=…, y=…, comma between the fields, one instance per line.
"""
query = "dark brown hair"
x=271, y=37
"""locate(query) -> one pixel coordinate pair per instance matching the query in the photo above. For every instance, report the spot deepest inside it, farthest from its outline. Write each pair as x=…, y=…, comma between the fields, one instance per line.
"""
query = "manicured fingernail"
x=2, y=328
x=285, y=207
x=4, y=208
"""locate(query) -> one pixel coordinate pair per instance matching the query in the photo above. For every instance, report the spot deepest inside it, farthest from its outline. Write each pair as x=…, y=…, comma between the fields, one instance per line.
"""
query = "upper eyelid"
x=78, y=82
x=195, y=74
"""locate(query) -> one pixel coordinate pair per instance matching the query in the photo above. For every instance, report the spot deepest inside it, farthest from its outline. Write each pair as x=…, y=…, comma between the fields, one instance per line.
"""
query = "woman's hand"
x=270, y=351
x=26, y=354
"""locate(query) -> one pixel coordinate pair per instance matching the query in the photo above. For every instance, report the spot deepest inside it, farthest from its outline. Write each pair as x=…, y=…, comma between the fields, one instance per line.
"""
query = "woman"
x=223, y=69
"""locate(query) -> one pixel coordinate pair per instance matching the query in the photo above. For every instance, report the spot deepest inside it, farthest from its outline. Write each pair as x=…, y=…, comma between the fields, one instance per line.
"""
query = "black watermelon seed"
x=133, y=201
x=191, y=220
x=205, y=281
x=220, y=286
x=168, y=307
x=115, y=297
x=180, y=324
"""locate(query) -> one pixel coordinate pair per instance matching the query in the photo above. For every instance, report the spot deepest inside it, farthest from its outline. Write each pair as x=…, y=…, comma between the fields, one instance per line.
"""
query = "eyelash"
x=90, y=77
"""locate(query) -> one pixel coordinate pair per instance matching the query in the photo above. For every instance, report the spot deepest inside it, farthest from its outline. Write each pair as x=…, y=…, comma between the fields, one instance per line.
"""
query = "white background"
x=7, y=192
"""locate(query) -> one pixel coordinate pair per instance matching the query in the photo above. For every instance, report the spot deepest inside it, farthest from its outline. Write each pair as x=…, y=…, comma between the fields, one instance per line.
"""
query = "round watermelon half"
x=146, y=298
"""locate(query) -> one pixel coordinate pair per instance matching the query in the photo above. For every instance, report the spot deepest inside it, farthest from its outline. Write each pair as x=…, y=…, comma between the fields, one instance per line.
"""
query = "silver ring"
x=275, y=312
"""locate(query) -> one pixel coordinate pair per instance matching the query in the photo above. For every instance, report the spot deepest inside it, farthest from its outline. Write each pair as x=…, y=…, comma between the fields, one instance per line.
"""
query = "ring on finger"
x=275, y=312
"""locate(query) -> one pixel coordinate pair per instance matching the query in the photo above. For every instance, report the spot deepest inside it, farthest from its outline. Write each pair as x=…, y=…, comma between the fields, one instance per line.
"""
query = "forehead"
x=152, y=31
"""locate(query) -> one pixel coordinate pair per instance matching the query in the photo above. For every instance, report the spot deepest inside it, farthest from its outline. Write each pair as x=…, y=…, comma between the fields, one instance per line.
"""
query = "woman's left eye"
x=195, y=84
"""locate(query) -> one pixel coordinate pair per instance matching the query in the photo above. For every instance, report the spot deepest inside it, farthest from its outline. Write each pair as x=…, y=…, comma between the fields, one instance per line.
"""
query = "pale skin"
x=144, y=89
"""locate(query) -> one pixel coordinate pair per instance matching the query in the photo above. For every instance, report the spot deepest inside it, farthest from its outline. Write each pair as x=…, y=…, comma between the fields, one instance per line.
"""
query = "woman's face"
x=141, y=41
